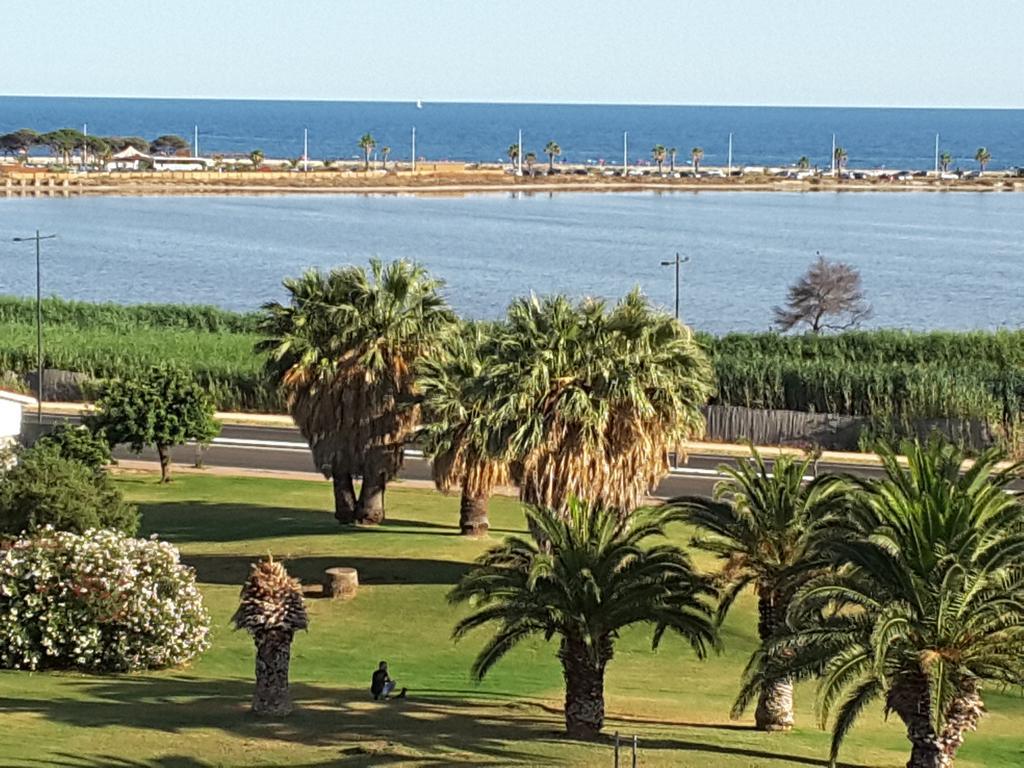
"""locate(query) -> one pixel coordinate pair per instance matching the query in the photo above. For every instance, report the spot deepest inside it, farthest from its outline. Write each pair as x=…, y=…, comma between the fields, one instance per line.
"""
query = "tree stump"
x=341, y=583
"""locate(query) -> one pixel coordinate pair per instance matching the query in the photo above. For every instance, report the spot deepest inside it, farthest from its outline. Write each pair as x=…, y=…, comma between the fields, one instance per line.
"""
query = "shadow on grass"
x=234, y=569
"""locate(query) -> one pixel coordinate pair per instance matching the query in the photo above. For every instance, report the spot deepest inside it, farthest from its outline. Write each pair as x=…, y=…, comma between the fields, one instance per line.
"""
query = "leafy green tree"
x=925, y=604
x=803, y=163
x=343, y=350
x=78, y=443
x=588, y=400
x=457, y=431
x=761, y=524
x=672, y=153
x=696, y=155
x=62, y=142
x=658, y=154
x=367, y=143
x=256, y=158
x=530, y=158
x=384, y=152
x=590, y=579
x=513, y=153
x=45, y=488
x=945, y=160
x=982, y=157
x=840, y=157
x=162, y=408
x=120, y=143
x=552, y=150
x=18, y=142
x=168, y=144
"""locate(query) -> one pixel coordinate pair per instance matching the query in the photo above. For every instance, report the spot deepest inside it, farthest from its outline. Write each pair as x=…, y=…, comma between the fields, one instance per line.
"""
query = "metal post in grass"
x=634, y=751
x=677, y=262
x=39, y=320
x=616, y=749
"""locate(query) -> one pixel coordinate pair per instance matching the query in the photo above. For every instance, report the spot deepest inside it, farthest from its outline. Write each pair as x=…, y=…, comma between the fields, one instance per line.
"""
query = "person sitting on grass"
x=382, y=685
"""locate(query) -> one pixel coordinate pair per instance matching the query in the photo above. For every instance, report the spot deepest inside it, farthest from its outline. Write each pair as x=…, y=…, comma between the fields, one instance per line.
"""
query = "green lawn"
x=199, y=716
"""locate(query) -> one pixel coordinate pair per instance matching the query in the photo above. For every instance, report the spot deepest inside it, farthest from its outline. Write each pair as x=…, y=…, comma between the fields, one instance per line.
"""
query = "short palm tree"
x=696, y=155
x=658, y=155
x=530, y=158
x=926, y=602
x=803, y=163
x=456, y=432
x=982, y=156
x=672, y=152
x=592, y=578
x=945, y=160
x=272, y=611
x=343, y=351
x=840, y=156
x=384, y=152
x=588, y=400
x=256, y=158
x=367, y=143
x=513, y=153
x=761, y=523
x=552, y=150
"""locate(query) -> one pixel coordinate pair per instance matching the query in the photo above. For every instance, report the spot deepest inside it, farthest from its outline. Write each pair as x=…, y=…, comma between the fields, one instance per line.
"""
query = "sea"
x=876, y=138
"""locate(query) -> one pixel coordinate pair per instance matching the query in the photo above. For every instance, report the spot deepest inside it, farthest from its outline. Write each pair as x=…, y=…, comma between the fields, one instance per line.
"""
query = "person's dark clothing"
x=379, y=682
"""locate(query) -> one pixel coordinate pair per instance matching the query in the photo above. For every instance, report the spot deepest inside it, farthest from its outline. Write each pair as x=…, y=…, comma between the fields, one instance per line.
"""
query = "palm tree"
x=256, y=158
x=343, y=350
x=925, y=604
x=840, y=157
x=982, y=156
x=696, y=155
x=384, y=152
x=803, y=163
x=761, y=523
x=367, y=144
x=513, y=153
x=658, y=154
x=587, y=401
x=552, y=150
x=455, y=433
x=272, y=611
x=530, y=159
x=672, y=152
x=592, y=578
x=945, y=160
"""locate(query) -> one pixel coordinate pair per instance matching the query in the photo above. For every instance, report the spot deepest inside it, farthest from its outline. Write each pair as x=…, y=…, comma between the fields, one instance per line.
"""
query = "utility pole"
x=195, y=141
x=833, y=154
x=85, y=142
x=677, y=262
x=730, y=154
x=936, y=154
x=625, y=152
x=414, y=147
x=519, y=155
x=305, y=150
x=39, y=320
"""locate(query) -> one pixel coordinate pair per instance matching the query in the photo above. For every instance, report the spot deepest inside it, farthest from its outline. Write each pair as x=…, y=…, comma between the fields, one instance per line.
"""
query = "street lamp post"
x=677, y=262
x=39, y=320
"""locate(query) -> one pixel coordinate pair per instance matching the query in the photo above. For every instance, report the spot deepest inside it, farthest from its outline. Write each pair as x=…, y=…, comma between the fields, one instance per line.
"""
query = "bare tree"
x=828, y=297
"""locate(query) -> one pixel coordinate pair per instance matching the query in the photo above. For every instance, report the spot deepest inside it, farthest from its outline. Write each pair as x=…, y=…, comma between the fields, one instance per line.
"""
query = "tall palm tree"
x=696, y=155
x=672, y=152
x=982, y=156
x=530, y=158
x=945, y=160
x=761, y=523
x=552, y=150
x=587, y=401
x=456, y=430
x=272, y=611
x=926, y=602
x=513, y=153
x=367, y=143
x=658, y=155
x=591, y=578
x=840, y=157
x=384, y=152
x=256, y=158
x=803, y=163
x=343, y=350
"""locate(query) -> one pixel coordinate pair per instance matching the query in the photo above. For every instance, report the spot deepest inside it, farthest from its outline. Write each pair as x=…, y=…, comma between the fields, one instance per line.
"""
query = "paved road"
x=283, y=449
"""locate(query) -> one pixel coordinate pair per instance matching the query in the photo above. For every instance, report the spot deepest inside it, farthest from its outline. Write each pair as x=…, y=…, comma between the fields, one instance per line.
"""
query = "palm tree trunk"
x=164, y=452
x=584, y=690
x=344, y=497
x=273, y=655
x=370, y=509
x=964, y=712
x=775, y=702
x=909, y=698
x=473, y=520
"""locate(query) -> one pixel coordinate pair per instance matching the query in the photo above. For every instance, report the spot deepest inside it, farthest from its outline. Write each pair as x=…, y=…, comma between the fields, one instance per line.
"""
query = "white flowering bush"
x=98, y=601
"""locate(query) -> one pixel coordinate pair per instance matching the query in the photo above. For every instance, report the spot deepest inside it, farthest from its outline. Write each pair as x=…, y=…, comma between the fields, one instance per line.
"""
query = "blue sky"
x=784, y=52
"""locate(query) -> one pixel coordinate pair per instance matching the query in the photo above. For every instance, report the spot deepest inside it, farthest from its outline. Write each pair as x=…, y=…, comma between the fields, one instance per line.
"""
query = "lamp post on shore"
x=39, y=320
x=677, y=262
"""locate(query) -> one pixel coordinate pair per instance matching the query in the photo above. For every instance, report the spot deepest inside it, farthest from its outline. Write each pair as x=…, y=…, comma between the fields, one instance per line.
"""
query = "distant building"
x=131, y=159
x=176, y=163
x=128, y=159
x=11, y=406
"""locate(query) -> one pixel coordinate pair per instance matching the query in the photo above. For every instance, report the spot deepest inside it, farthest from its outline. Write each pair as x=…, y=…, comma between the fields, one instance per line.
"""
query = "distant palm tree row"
x=906, y=588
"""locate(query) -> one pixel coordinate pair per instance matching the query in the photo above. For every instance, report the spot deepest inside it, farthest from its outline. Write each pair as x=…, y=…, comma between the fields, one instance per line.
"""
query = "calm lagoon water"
x=929, y=260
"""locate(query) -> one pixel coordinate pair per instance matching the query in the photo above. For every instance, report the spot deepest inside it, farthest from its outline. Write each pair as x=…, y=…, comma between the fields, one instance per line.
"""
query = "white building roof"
x=15, y=397
x=130, y=153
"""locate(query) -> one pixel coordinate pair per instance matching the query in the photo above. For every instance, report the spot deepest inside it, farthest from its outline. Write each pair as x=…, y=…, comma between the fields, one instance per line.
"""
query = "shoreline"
x=442, y=181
